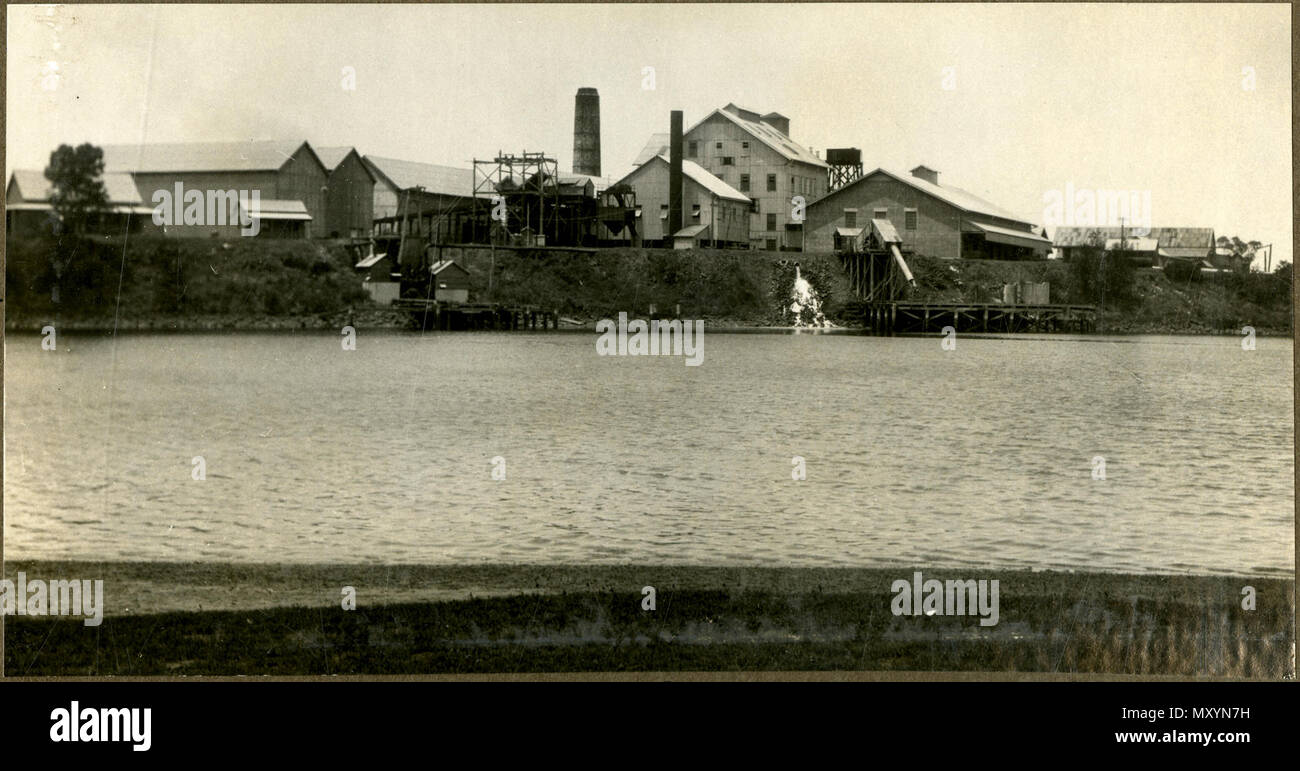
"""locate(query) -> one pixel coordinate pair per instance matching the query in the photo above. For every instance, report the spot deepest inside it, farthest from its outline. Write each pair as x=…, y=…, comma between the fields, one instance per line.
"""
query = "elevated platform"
x=922, y=317
x=433, y=314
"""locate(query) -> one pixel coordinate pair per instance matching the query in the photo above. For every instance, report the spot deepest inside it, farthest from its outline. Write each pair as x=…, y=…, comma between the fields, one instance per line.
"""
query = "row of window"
x=693, y=149
x=909, y=217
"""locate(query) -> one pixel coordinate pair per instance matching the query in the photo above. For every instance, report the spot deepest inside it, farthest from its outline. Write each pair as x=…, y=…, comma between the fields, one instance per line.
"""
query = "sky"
x=1187, y=103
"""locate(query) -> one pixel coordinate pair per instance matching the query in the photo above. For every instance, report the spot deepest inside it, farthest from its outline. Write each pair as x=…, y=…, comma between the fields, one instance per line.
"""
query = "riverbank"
x=160, y=284
x=226, y=619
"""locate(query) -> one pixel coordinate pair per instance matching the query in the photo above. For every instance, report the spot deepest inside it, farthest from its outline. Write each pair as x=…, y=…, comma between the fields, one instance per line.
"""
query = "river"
x=980, y=456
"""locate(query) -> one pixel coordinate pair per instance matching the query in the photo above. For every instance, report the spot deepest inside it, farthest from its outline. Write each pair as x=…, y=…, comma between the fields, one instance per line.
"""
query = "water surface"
x=982, y=456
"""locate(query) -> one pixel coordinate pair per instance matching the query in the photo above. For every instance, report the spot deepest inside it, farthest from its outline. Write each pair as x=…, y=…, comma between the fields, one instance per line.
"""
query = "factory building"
x=289, y=178
x=931, y=219
x=755, y=155
x=428, y=203
x=350, y=197
x=713, y=212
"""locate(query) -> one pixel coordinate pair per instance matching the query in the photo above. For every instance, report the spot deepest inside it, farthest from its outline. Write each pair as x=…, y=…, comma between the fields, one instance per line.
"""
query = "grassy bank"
x=268, y=284
x=287, y=619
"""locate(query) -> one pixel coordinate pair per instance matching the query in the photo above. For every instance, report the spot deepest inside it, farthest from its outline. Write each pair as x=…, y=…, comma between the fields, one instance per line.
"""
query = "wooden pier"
x=921, y=317
x=432, y=314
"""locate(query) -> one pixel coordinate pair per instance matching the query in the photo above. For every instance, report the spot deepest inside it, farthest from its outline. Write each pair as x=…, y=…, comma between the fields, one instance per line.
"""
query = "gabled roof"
x=656, y=145
x=955, y=196
x=768, y=135
x=333, y=157
x=1166, y=238
x=442, y=265
x=701, y=176
x=203, y=156
x=405, y=175
x=32, y=187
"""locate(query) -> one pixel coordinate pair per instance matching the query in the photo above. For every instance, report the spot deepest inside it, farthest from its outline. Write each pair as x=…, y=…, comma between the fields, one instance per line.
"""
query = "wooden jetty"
x=921, y=317
x=434, y=314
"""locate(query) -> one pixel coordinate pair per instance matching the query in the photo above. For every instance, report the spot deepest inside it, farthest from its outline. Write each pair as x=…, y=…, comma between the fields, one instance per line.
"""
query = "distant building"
x=931, y=219
x=1153, y=248
x=350, y=199
x=28, y=210
x=713, y=212
x=755, y=155
x=288, y=176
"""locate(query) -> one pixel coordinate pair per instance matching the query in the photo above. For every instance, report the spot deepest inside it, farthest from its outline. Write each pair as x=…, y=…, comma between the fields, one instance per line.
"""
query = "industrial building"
x=1154, y=247
x=350, y=197
x=288, y=176
x=931, y=219
x=419, y=204
x=755, y=155
x=713, y=212
x=28, y=210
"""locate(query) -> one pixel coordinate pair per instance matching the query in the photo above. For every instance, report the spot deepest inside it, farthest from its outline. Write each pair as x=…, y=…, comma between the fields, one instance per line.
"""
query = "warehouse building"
x=931, y=219
x=287, y=176
x=28, y=210
x=350, y=198
x=437, y=201
x=1154, y=247
x=755, y=155
x=713, y=212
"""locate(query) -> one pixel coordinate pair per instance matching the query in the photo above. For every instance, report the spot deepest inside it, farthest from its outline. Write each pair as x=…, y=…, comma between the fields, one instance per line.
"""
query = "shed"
x=451, y=282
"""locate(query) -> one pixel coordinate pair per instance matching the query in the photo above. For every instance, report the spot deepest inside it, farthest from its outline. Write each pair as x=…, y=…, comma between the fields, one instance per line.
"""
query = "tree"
x=79, y=193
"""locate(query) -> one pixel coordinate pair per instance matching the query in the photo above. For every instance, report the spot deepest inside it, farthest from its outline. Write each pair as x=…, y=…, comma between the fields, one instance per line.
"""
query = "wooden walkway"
x=432, y=314
x=922, y=317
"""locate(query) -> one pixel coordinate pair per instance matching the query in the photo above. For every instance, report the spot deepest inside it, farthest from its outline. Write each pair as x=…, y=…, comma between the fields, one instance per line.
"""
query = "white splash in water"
x=805, y=305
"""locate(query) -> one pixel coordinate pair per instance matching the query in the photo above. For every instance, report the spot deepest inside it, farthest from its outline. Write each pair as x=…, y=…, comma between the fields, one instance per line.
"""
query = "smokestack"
x=586, y=132
x=675, y=175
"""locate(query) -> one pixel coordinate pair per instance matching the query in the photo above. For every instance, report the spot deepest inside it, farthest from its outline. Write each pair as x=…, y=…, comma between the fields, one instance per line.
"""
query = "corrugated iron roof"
x=441, y=180
x=442, y=265
x=275, y=209
x=691, y=231
x=34, y=187
x=967, y=202
x=371, y=260
x=1133, y=244
x=1184, y=253
x=1012, y=236
x=699, y=174
x=203, y=156
x=768, y=136
x=1176, y=238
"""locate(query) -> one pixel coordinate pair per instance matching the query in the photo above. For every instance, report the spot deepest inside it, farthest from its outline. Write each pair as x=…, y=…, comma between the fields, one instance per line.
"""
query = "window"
x=850, y=218
x=771, y=244
x=663, y=211
x=728, y=160
x=744, y=183
x=909, y=219
x=695, y=211
x=744, y=145
x=771, y=183
x=771, y=221
x=880, y=214
x=717, y=145
x=792, y=183
x=692, y=149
